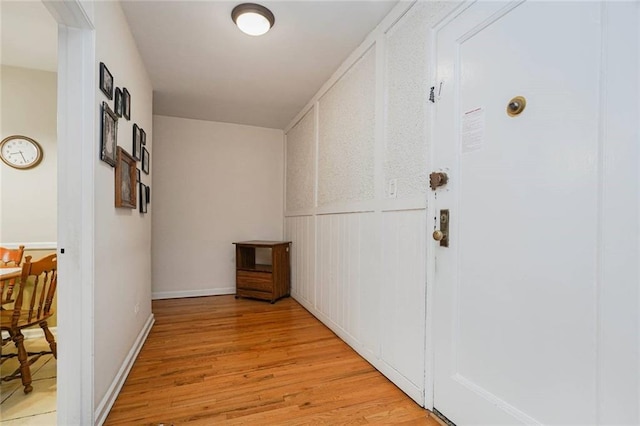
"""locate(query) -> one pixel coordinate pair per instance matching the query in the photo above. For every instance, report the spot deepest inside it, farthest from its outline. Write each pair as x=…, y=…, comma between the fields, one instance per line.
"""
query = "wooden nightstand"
x=262, y=280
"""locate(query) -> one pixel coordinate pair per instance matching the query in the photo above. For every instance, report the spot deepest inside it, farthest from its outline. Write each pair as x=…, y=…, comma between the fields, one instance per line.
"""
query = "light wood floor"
x=218, y=360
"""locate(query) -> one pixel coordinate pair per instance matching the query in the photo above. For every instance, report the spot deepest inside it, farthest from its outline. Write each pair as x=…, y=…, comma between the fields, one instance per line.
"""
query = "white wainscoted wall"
x=355, y=199
x=216, y=183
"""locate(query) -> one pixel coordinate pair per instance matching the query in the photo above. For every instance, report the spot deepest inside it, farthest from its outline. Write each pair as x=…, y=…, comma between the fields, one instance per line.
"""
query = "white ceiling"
x=201, y=66
x=29, y=35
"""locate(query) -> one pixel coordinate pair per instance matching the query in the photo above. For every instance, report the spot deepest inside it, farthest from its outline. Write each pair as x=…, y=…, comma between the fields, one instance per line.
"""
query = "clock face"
x=20, y=152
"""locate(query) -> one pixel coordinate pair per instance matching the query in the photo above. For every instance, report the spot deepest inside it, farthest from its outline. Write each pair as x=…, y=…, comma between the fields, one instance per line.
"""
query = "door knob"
x=442, y=234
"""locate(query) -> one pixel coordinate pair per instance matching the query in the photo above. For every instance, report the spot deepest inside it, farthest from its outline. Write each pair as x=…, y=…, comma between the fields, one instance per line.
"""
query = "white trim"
x=284, y=183
x=500, y=403
x=76, y=188
x=429, y=371
x=413, y=391
x=112, y=393
x=70, y=13
x=193, y=293
x=52, y=245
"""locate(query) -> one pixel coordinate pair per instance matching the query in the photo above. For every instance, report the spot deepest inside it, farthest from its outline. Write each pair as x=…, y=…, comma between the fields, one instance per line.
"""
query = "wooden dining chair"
x=35, y=291
x=13, y=256
x=8, y=258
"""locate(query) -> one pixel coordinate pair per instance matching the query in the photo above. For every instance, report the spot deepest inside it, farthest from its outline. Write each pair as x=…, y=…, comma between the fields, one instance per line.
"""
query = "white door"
x=516, y=292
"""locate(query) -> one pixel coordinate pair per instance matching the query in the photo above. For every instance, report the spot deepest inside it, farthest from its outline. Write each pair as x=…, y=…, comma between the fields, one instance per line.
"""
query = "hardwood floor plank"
x=218, y=360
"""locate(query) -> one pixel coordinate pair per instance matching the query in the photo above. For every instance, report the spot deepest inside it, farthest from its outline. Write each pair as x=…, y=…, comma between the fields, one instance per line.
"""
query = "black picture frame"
x=126, y=104
x=146, y=159
x=118, y=102
x=148, y=190
x=138, y=175
x=143, y=138
x=109, y=135
x=137, y=142
x=106, y=81
x=143, y=198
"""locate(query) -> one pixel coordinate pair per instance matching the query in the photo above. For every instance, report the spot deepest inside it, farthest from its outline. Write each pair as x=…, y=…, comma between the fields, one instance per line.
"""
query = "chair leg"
x=50, y=339
x=25, y=371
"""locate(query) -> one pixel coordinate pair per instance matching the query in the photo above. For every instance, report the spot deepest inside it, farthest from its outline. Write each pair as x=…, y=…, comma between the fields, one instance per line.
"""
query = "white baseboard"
x=193, y=293
x=33, y=333
x=405, y=385
x=112, y=393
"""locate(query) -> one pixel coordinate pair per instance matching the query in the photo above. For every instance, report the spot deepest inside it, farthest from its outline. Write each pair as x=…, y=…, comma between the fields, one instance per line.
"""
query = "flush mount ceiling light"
x=252, y=19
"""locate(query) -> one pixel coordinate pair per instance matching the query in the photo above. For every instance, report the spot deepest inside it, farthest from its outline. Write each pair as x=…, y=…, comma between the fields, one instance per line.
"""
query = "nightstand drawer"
x=254, y=280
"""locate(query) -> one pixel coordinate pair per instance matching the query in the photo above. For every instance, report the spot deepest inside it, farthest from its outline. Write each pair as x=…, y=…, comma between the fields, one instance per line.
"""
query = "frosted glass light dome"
x=252, y=19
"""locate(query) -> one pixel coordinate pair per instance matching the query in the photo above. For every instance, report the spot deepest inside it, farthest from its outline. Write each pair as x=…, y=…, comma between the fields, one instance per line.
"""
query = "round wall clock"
x=20, y=152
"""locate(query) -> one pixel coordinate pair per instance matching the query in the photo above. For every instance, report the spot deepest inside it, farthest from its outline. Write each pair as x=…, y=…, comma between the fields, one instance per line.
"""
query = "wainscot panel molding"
x=359, y=254
x=301, y=231
x=414, y=392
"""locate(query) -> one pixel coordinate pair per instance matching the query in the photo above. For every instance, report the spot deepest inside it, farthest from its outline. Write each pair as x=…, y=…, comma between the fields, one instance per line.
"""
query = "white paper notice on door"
x=472, y=134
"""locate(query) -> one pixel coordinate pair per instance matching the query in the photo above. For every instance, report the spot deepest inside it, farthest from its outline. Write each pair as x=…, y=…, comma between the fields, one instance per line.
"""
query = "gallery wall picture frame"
x=148, y=189
x=138, y=175
x=126, y=194
x=146, y=159
x=106, y=81
x=118, y=102
x=137, y=142
x=126, y=103
x=109, y=135
x=144, y=137
x=143, y=198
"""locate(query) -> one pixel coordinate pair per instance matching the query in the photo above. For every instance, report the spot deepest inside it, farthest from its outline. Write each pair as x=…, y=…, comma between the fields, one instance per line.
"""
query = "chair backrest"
x=11, y=256
x=37, y=289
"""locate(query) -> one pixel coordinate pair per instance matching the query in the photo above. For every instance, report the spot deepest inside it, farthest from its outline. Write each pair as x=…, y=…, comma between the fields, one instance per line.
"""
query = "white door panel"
x=515, y=319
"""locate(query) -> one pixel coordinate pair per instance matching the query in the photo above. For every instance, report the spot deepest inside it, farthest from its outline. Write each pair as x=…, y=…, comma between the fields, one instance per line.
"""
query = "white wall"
x=359, y=251
x=215, y=183
x=122, y=236
x=29, y=109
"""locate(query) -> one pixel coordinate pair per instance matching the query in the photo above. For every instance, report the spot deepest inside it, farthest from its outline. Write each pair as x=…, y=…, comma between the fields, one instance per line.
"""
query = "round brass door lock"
x=438, y=235
x=516, y=106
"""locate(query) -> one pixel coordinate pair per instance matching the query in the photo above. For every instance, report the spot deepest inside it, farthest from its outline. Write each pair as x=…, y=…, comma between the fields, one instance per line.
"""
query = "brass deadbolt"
x=438, y=179
x=516, y=106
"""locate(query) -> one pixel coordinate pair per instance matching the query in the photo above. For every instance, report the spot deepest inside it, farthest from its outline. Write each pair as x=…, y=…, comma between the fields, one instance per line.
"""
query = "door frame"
x=429, y=370
x=76, y=124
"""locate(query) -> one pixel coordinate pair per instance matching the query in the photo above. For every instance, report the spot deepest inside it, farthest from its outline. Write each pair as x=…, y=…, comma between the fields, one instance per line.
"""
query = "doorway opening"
x=28, y=79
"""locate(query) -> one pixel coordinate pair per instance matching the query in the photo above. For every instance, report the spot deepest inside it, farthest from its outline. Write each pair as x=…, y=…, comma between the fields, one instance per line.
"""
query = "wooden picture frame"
x=109, y=135
x=125, y=186
x=106, y=81
x=118, y=103
x=126, y=103
x=146, y=159
x=137, y=142
x=143, y=198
